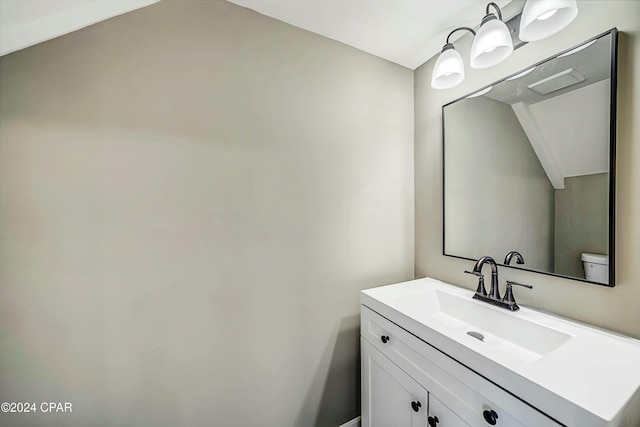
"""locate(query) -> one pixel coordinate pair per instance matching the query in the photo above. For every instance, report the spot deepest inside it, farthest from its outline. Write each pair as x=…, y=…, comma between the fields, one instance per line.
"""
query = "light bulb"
x=547, y=15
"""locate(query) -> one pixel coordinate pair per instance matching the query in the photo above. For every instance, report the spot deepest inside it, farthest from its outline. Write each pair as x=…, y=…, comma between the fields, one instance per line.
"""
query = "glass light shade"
x=492, y=44
x=449, y=69
x=543, y=18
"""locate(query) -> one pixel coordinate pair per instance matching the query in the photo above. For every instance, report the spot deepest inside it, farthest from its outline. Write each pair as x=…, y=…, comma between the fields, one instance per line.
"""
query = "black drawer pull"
x=415, y=405
x=433, y=421
x=490, y=416
x=385, y=339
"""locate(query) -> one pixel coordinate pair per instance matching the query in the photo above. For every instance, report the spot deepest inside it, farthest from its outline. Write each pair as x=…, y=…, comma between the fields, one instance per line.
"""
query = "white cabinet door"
x=390, y=397
x=440, y=415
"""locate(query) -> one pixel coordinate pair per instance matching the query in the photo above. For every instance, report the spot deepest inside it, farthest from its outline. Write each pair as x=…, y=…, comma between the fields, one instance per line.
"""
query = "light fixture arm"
x=496, y=8
x=461, y=28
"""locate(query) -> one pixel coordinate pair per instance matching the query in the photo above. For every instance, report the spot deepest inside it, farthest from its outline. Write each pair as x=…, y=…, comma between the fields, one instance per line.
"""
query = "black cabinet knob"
x=433, y=421
x=416, y=405
x=384, y=338
x=490, y=416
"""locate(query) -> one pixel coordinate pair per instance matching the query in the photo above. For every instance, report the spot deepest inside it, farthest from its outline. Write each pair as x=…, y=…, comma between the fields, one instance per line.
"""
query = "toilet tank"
x=596, y=267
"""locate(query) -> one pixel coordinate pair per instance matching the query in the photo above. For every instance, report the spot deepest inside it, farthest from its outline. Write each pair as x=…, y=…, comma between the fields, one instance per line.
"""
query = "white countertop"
x=591, y=375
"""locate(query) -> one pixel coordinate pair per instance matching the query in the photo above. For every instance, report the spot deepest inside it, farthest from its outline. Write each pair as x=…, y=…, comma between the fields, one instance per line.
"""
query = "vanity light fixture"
x=449, y=69
x=543, y=18
x=493, y=43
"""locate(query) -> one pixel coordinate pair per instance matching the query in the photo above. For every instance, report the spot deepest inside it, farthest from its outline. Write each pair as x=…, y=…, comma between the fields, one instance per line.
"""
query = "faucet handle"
x=508, y=295
x=475, y=273
x=480, y=290
x=511, y=282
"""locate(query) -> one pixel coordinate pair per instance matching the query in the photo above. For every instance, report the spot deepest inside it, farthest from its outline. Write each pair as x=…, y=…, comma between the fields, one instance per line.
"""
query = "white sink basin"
x=549, y=361
x=511, y=335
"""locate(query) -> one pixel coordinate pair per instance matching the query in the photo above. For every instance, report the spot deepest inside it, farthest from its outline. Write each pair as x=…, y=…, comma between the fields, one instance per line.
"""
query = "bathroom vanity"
x=433, y=356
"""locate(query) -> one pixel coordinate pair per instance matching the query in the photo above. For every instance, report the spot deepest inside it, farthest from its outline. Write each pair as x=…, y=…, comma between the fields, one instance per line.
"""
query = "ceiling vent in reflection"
x=556, y=82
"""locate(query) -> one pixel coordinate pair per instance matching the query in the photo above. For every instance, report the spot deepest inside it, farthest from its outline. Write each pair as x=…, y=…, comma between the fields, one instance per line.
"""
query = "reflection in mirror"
x=528, y=166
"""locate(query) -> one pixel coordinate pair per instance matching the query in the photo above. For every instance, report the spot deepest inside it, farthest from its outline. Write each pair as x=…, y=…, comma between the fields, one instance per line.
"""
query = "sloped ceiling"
x=568, y=128
x=24, y=23
x=575, y=125
x=407, y=32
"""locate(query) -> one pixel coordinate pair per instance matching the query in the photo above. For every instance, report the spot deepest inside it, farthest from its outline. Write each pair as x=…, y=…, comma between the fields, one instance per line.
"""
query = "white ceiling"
x=24, y=23
x=407, y=32
x=578, y=149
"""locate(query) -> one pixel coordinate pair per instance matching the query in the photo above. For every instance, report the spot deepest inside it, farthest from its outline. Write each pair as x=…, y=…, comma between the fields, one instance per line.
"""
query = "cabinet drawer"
x=458, y=388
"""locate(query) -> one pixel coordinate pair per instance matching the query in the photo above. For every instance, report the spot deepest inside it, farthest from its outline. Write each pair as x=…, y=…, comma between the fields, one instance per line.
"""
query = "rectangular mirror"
x=529, y=166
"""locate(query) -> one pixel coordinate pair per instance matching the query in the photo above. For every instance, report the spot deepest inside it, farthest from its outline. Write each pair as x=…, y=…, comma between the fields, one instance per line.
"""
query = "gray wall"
x=613, y=308
x=490, y=165
x=191, y=197
x=582, y=219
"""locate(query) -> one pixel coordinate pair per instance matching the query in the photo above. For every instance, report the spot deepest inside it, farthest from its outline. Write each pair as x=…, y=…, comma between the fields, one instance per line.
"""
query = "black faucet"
x=493, y=297
x=494, y=292
x=519, y=258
